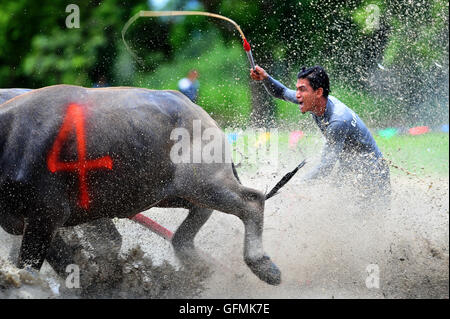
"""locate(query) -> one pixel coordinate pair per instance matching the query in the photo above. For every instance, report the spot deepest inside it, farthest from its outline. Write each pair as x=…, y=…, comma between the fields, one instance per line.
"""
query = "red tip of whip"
x=246, y=45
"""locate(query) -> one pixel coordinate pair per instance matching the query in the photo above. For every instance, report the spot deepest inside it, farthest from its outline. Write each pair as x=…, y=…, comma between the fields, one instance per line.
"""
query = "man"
x=189, y=85
x=347, y=138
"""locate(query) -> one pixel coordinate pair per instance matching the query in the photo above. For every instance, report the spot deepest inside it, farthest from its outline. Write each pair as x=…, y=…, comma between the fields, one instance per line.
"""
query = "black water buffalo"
x=99, y=238
x=8, y=94
x=70, y=155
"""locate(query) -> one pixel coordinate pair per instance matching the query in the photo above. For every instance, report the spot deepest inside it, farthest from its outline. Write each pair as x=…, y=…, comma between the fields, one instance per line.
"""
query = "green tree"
x=38, y=49
x=416, y=60
x=286, y=34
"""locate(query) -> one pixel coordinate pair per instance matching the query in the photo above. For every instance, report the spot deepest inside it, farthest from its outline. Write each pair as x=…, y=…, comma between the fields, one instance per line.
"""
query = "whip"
x=149, y=14
x=248, y=51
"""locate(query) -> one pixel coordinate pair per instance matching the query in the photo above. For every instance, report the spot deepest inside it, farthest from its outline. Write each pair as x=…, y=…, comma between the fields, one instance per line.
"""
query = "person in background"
x=189, y=85
x=348, y=141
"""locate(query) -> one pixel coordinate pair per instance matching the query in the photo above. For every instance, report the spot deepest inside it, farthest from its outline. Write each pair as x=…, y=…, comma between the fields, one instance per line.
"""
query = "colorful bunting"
x=388, y=132
x=262, y=139
x=294, y=137
x=418, y=130
x=232, y=137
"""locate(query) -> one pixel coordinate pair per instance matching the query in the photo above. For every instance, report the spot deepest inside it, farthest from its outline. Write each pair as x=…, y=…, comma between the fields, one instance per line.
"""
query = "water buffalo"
x=70, y=155
x=8, y=94
x=70, y=246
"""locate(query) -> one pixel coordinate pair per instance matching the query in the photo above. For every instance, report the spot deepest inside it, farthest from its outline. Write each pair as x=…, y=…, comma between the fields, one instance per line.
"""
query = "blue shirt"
x=188, y=88
x=347, y=137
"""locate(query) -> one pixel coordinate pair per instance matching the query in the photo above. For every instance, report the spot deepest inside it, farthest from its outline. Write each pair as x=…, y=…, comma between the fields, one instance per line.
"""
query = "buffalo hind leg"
x=254, y=255
x=247, y=204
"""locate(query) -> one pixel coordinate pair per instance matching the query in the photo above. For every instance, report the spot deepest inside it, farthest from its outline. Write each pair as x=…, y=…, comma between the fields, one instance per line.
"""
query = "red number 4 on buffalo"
x=74, y=119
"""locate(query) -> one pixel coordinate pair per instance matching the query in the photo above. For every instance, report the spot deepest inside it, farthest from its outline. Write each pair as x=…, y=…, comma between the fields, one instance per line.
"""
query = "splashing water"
x=322, y=241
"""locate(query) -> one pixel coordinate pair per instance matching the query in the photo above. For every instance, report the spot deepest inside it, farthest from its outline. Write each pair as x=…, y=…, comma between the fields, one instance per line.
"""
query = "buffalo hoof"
x=265, y=269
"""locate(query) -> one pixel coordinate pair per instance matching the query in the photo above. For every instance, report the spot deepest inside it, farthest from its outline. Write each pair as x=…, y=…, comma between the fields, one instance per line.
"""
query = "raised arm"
x=272, y=86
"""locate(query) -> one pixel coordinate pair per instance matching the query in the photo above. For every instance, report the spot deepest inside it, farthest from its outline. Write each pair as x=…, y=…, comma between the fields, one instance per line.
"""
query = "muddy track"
x=325, y=246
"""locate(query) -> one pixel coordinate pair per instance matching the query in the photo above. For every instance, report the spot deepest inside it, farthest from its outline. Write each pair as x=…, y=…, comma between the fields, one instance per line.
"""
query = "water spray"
x=149, y=14
x=246, y=46
x=141, y=219
x=390, y=163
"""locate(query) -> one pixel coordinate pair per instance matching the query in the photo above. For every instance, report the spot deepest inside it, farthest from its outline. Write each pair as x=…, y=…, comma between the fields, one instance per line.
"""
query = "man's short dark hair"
x=317, y=77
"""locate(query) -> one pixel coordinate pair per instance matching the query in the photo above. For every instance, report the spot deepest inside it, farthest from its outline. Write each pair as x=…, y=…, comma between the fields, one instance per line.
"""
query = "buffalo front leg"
x=11, y=224
x=60, y=254
x=37, y=238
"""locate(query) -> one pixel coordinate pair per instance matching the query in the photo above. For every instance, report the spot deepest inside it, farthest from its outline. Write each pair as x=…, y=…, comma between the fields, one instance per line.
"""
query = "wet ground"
x=324, y=244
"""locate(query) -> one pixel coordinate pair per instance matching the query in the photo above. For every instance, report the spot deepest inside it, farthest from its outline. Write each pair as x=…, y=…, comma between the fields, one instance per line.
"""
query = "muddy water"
x=325, y=245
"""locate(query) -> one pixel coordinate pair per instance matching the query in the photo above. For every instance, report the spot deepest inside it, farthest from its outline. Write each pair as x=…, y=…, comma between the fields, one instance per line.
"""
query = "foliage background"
x=390, y=64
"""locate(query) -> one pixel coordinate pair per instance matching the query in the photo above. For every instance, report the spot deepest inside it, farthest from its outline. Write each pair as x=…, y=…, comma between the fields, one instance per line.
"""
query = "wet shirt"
x=347, y=137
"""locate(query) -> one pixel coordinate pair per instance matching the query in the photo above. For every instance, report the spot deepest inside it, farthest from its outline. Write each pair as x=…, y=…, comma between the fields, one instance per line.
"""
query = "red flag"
x=419, y=130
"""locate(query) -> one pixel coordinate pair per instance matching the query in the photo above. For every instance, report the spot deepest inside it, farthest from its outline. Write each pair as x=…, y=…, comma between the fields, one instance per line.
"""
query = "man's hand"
x=258, y=74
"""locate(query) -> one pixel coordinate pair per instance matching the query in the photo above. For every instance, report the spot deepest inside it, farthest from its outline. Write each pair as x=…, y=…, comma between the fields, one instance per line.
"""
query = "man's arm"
x=278, y=90
x=272, y=86
x=335, y=137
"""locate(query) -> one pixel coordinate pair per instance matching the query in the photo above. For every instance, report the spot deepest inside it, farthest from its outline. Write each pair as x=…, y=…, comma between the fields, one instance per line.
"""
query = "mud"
x=325, y=245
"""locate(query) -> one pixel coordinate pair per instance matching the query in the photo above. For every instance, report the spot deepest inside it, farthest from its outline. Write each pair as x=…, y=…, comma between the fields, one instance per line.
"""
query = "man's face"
x=306, y=96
